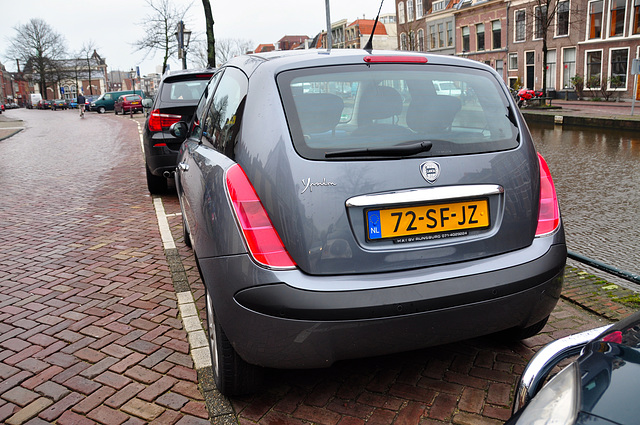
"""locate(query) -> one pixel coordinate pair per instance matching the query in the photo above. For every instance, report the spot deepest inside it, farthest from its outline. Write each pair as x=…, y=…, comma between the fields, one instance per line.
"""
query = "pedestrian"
x=81, y=101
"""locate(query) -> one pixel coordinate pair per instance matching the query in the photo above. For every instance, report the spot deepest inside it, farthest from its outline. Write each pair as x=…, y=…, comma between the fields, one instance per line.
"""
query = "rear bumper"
x=274, y=321
x=159, y=158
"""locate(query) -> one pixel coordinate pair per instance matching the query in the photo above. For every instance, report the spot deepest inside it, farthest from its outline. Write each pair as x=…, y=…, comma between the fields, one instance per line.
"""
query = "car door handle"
x=183, y=166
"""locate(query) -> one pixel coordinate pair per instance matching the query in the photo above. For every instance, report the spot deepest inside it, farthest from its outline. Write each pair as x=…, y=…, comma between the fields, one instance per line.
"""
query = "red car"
x=128, y=103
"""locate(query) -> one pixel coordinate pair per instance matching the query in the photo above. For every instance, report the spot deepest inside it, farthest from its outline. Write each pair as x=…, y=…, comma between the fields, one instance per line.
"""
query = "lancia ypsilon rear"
x=341, y=204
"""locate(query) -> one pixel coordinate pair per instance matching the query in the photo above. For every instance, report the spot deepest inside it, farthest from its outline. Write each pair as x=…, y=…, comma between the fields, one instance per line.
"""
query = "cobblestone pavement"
x=91, y=330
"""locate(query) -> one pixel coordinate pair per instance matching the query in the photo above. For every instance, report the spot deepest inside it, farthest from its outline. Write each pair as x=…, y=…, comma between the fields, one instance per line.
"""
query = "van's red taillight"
x=549, y=213
x=158, y=121
x=265, y=246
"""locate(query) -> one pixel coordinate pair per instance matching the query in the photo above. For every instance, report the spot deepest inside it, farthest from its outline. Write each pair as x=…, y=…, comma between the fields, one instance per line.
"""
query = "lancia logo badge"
x=430, y=171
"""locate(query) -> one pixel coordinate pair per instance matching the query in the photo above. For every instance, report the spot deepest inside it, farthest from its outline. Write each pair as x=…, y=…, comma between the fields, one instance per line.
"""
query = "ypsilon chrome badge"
x=430, y=171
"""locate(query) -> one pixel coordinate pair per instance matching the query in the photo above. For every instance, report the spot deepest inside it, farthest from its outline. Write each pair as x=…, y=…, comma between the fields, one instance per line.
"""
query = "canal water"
x=597, y=178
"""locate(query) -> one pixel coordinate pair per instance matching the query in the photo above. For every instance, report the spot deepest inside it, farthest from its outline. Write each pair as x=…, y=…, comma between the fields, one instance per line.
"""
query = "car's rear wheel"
x=155, y=184
x=518, y=334
x=232, y=375
x=101, y=110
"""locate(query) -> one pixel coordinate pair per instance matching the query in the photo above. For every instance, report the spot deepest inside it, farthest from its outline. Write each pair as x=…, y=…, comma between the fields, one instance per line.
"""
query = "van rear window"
x=460, y=110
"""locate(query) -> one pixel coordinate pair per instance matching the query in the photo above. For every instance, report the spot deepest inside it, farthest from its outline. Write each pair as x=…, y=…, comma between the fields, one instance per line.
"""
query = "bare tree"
x=38, y=46
x=226, y=48
x=159, y=29
x=211, y=41
x=86, y=53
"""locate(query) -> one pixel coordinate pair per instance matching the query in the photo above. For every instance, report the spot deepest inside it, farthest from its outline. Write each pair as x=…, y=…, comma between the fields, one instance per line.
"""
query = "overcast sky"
x=113, y=25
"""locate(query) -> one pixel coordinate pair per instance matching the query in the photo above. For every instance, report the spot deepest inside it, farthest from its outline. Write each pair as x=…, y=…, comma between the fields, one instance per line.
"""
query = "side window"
x=206, y=97
x=107, y=97
x=222, y=120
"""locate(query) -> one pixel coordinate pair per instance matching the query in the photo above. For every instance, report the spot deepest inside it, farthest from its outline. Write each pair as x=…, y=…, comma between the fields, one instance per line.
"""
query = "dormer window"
x=438, y=5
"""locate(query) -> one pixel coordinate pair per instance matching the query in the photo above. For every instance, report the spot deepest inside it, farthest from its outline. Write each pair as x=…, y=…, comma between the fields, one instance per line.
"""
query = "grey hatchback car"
x=340, y=207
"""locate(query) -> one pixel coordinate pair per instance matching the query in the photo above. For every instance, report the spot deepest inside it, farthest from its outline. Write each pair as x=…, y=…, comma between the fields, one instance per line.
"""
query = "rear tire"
x=232, y=375
x=156, y=184
x=518, y=334
x=101, y=110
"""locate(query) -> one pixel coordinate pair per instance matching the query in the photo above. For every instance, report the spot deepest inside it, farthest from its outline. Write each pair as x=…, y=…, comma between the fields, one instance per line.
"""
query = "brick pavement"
x=89, y=323
x=90, y=329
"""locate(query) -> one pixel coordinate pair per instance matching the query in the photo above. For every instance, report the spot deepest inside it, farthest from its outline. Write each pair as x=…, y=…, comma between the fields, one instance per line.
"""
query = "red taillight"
x=263, y=241
x=395, y=59
x=549, y=213
x=158, y=121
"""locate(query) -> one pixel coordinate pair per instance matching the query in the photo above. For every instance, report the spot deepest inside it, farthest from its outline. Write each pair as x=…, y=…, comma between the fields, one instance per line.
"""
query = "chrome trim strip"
x=432, y=194
x=546, y=359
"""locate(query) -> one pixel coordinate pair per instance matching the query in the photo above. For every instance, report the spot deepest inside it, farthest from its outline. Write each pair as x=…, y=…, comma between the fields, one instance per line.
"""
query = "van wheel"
x=101, y=110
x=232, y=375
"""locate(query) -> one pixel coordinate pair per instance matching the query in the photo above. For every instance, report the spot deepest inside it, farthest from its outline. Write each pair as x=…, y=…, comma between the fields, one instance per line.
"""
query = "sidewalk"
x=587, y=113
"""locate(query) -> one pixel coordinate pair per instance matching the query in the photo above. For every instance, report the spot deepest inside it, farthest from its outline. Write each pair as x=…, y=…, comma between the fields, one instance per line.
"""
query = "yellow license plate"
x=427, y=219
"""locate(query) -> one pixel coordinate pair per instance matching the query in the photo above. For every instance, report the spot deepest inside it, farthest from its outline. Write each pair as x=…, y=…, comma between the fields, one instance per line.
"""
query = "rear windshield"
x=188, y=91
x=460, y=110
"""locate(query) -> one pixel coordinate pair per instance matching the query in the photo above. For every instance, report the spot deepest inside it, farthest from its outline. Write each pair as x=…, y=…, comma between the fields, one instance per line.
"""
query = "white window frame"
x=511, y=55
x=626, y=80
x=515, y=26
x=568, y=20
x=586, y=69
x=568, y=84
x=449, y=30
x=552, y=74
x=624, y=20
x=410, y=11
x=535, y=23
x=401, y=17
x=603, y=23
x=419, y=9
x=437, y=6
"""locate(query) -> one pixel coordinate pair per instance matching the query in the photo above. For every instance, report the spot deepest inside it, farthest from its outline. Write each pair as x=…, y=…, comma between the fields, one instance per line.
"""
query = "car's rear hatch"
x=385, y=174
x=177, y=101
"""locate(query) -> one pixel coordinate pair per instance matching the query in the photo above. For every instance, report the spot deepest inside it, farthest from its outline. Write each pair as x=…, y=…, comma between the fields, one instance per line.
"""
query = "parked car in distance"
x=106, y=101
x=338, y=208
x=72, y=103
x=59, y=104
x=176, y=100
x=128, y=103
x=598, y=387
x=45, y=104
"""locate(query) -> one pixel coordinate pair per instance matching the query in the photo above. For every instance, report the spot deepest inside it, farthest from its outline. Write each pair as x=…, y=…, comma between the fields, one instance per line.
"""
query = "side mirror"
x=178, y=129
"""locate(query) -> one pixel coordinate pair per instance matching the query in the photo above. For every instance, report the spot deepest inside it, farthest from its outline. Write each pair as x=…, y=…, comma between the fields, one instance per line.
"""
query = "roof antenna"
x=369, y=46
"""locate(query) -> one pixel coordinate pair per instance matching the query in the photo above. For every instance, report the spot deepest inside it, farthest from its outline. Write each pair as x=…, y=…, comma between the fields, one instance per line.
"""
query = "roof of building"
x=366, y=26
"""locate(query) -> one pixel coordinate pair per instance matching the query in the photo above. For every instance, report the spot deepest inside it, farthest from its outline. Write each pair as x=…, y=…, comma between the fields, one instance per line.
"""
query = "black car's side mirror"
x=178, y=129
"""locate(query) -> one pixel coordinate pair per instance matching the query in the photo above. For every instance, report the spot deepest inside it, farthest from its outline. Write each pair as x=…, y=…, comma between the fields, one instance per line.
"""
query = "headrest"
x=318, y=112
x=379, y=102
x=432, y=113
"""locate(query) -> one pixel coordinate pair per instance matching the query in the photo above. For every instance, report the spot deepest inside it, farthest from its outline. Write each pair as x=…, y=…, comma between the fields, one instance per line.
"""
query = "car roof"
x=282, y=60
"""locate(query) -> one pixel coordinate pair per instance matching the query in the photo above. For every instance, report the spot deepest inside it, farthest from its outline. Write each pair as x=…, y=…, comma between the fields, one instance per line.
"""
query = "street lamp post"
x=182, y=35
x=132, y=73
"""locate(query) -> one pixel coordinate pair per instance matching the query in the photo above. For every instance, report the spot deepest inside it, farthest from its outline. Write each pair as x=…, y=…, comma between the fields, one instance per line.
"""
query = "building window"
x=441, y=40
x=432, y=37
x=496, y=34
x=618, y=9
x=551, y=69
x=401, y=13
x=500, y=67
x=450, y=33
x=618, y=68
x=437, y=5
x=479, y=37
x=595, y=19
x=409, y=10
x=562, y=27
x=421, y=40
x=465, y=39
x=594, y=68
x=541, y=22
x=419, y=9
x=403, y=41
x=520, y=25
x=569, y=66
x=513, y=61
x=636, y=16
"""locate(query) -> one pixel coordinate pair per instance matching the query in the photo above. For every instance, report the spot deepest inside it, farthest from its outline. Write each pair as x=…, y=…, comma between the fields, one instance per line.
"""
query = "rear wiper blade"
x=398, y=150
